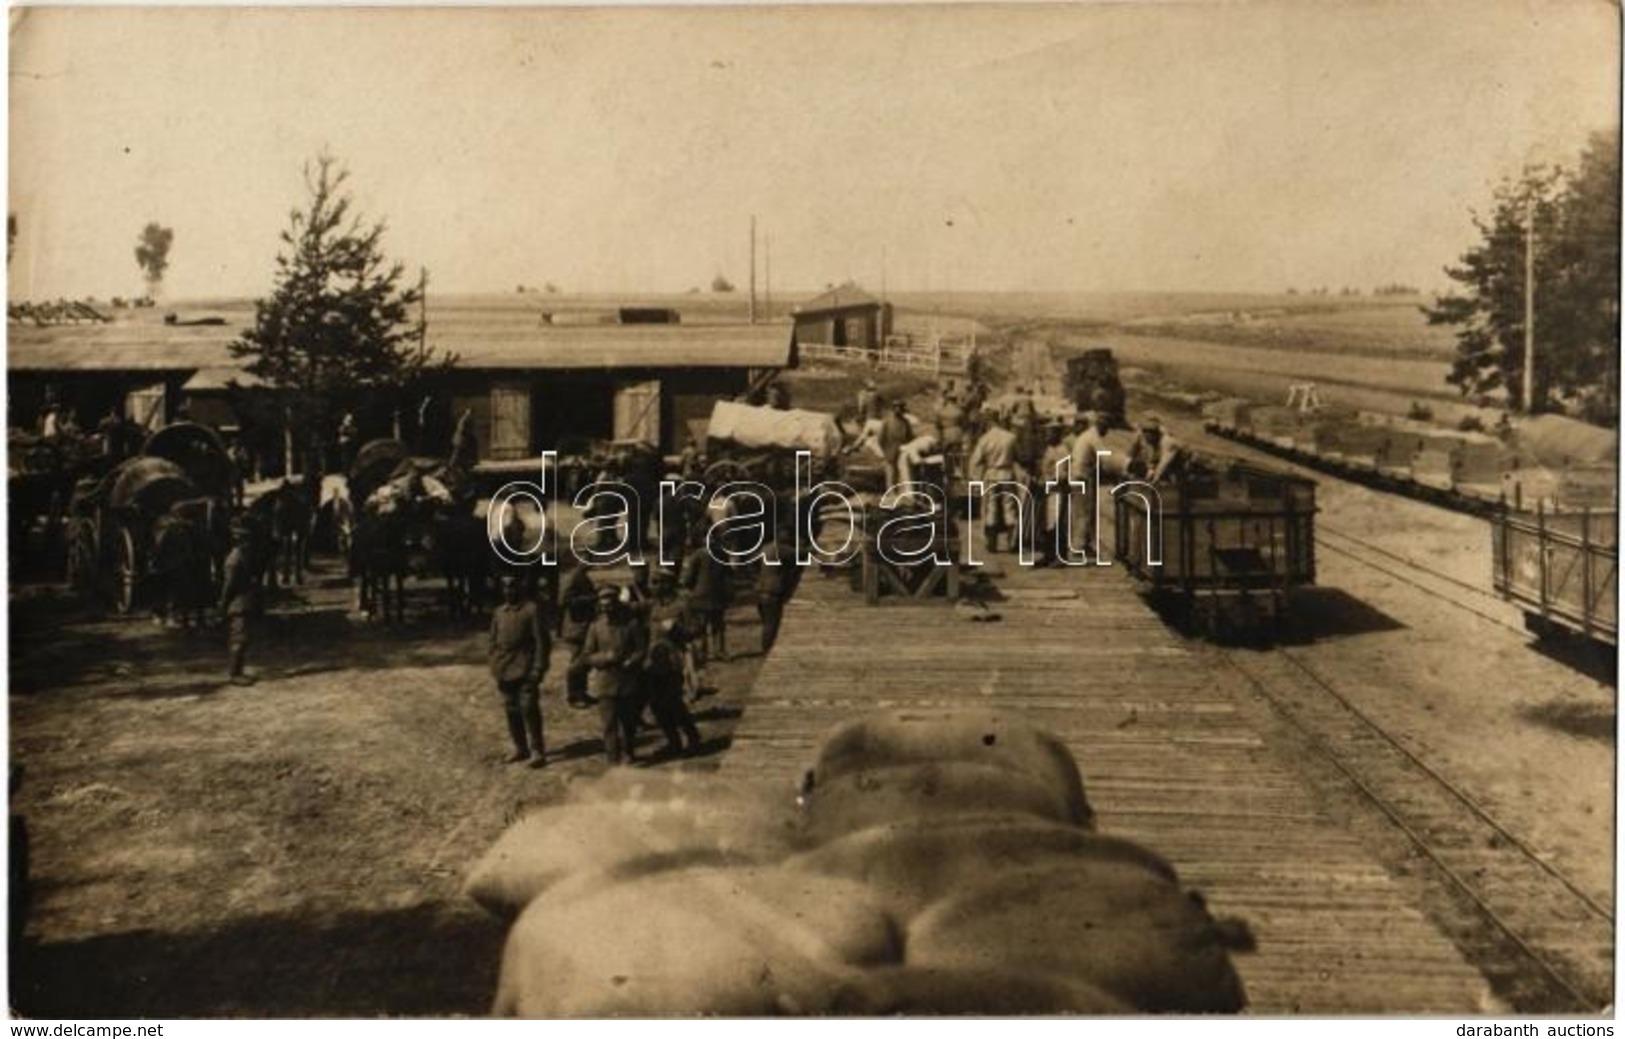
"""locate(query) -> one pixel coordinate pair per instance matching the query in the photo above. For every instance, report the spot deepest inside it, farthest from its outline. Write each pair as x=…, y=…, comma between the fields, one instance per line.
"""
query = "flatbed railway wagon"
x=1223, y=547
x=1562, y=568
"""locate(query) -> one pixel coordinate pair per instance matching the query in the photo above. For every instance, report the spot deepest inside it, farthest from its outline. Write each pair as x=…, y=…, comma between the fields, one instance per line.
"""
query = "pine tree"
x=339, y=331
x=1575, y=221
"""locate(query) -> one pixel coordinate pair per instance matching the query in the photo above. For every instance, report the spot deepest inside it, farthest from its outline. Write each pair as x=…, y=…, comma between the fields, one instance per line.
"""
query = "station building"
x=532, y=382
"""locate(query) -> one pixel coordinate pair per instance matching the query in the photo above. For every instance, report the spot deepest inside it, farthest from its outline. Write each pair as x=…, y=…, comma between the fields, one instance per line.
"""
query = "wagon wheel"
x=125, y=572
x=724, y=471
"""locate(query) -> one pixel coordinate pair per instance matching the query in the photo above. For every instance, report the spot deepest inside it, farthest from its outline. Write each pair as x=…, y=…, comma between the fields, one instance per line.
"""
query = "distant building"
x=845, y=316
x=529, y=386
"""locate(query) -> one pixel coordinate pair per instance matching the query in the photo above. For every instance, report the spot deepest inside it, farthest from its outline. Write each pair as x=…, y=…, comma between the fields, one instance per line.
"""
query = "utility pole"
x=423, y=314
x=767, y=274
x=1529, y=305
x=753, y=269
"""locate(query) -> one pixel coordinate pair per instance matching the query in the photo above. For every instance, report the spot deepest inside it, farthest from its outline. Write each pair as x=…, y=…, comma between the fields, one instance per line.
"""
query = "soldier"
x=705, y=579
x=613, y=654
x=993, y=461
x=1086, y=448
x=347, y=436
x=239, y=600
x=895, y=431
x=691, y=463
x=774, y=582
x=868, y=401
x=951, y=427
x=576, y=608
x=465, y=446
x=663, y=677
x=666, y=605
x=518, y=652
x=1053, y=518
x=1155, y=456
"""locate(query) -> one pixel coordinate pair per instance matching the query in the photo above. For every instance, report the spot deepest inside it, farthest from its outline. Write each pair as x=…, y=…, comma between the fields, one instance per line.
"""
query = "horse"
x=378, y=560
x=293, y=521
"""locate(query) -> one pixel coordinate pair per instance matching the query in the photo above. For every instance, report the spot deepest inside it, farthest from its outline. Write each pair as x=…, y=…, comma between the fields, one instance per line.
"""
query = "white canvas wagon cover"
x=793, y=430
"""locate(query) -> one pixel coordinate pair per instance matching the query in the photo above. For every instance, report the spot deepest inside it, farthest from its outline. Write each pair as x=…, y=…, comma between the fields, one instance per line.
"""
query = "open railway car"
x=1562, y=568
x=1223, y=546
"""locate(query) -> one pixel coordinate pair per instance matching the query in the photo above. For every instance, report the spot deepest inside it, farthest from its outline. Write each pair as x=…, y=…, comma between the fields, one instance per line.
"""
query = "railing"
x=948, y=355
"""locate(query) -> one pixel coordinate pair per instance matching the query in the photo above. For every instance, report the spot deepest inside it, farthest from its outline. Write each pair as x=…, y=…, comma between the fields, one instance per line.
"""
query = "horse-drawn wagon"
x=757, y=444
x=154, y=527
x=142, y=532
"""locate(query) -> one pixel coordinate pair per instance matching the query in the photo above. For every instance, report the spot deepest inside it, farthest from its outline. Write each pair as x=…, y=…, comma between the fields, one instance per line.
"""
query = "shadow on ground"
x=140, y=659
x=1588, y=719
x=1596, y=661
x=426, y=960
x=1318, y=614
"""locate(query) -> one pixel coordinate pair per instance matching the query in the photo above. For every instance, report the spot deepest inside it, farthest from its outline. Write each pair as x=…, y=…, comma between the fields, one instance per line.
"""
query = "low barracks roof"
x=494, y=338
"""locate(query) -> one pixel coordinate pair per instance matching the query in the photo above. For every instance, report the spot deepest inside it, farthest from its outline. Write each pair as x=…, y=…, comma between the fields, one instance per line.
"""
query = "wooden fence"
x=945, y=355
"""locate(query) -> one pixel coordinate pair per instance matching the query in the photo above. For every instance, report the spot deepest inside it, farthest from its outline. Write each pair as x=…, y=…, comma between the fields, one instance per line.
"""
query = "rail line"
x=1544, y=943
x=1412, y=574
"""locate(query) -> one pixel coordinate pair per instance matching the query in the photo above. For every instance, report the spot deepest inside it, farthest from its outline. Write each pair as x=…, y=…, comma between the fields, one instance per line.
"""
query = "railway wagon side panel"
x=1562, y=569
x=1247, y=532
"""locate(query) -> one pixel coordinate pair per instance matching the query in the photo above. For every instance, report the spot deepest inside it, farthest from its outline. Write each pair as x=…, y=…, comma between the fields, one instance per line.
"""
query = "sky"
x=1075, y=148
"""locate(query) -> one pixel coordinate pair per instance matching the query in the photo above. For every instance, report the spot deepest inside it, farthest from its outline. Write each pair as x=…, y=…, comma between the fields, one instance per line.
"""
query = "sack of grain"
x=904, y=793
x=977, y=737
x=1115, y=925
x=910, y=864
x=591, y=835
x=923, y=991
x=735, y=942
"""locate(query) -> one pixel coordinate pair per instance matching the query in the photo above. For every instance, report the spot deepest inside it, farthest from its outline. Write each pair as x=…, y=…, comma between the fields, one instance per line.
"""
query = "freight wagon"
x=1223, y=547
x=1562, y=569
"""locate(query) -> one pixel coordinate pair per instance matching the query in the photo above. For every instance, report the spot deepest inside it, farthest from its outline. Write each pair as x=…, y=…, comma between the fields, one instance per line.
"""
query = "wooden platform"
x=1168, y=753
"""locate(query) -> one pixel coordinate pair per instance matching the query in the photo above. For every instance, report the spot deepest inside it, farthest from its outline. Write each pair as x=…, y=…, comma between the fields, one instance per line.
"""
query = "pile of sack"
x=940, y=862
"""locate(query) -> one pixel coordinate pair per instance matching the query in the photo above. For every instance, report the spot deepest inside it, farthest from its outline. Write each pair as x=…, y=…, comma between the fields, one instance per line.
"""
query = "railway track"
x=1439, y=586
x=1543, y=942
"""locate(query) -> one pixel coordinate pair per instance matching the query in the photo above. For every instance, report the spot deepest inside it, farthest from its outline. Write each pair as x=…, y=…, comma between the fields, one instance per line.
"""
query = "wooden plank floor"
x=1169, y=759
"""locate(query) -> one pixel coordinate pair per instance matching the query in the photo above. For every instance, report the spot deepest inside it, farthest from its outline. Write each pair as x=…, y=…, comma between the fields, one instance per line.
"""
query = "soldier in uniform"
x=706, y=580
x=576, y=608
x=994, y=462
x=1087, y=448
x=239, y=600
x=1156, y=456
x=614, y=654
x=774, y=583
x=518, y=652
x=663, y=677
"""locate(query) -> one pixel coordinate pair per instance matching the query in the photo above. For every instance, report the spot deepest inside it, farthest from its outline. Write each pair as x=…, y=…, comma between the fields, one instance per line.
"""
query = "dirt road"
x=291, y=848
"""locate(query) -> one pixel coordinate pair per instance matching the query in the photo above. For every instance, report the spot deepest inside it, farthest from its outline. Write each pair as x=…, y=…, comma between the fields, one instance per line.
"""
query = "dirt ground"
x=293, y=848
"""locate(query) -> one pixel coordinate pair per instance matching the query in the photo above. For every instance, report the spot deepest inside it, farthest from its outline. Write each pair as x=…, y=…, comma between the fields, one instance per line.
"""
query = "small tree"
x=721, y=284
x=338, y=330
x=152, y=254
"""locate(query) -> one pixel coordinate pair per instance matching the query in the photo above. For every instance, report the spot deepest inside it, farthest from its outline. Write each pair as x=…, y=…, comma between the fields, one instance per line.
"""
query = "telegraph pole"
x=767, y=274
x=1529, y=305
x=753, y=269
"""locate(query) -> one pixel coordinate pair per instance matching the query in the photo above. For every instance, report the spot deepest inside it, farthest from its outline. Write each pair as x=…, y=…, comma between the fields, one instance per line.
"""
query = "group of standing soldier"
x=1031, y=471
x=629, y=649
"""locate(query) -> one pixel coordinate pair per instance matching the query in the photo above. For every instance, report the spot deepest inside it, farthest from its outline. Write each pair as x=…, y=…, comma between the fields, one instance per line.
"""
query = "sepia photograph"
x=876, y=511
